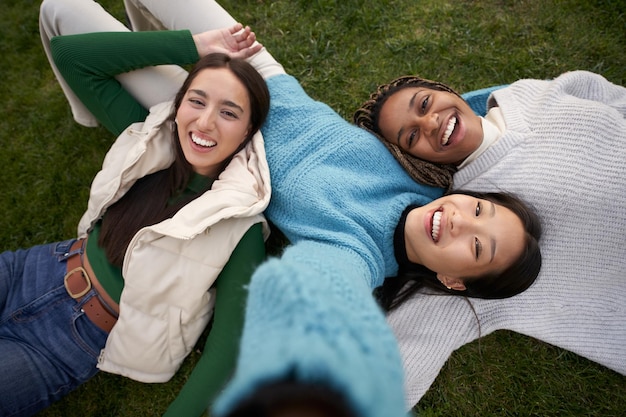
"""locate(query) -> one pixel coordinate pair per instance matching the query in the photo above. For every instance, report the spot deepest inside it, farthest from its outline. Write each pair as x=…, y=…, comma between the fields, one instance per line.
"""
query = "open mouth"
x=201, y=142
x=448, y=132
x=436, y=225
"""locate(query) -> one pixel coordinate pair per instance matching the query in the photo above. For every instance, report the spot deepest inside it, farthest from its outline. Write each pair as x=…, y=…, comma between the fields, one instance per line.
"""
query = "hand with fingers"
x=237, y=41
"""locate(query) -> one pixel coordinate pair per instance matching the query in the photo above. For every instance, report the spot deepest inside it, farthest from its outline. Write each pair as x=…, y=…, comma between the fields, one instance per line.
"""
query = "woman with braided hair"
x=424, y=168
x=562, y=149
x=310, y=315
x=560, y=145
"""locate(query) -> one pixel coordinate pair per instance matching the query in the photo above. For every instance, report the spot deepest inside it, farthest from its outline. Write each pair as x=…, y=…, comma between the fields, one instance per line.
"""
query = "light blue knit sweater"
x=337, y=194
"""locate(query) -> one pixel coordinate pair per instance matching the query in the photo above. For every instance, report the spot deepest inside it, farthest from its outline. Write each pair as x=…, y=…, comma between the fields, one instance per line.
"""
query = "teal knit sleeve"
x=89, y=63
x=220, y=351
x=311, y=316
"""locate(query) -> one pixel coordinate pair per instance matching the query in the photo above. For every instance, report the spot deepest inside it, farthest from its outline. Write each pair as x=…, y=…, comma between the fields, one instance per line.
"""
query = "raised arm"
x=89, y=63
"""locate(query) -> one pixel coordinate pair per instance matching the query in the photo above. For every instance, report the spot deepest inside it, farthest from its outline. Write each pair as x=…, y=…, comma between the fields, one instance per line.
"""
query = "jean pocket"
x=86, y=334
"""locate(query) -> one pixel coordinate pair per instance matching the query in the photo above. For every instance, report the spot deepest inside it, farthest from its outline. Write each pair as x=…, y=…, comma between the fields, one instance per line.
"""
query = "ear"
x=451, y=283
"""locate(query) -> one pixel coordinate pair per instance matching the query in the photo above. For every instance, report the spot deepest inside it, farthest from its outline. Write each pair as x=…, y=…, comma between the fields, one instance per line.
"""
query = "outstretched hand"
x=236, y=41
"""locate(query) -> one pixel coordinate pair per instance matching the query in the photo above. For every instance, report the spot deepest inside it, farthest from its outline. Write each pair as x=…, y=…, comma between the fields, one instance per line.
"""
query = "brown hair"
x=367, y=117
x=289, y=396
x=147, y=202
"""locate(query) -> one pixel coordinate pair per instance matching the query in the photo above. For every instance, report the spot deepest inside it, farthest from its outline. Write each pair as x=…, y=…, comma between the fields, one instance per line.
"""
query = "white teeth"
x=202, y=142
x=436, y=223
x=448, y=132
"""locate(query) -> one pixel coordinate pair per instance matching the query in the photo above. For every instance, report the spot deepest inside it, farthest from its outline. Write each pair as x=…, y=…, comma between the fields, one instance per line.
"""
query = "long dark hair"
x=289, y=397
x=147, y=201
x=513, y=280
x=367, y=117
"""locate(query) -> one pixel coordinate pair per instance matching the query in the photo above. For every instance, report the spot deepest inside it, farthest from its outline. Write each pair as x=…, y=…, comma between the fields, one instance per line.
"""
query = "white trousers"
x=150, y=85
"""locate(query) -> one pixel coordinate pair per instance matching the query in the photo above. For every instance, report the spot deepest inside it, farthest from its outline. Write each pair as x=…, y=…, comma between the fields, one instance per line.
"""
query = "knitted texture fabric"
x=337, y=195
x=564, y=151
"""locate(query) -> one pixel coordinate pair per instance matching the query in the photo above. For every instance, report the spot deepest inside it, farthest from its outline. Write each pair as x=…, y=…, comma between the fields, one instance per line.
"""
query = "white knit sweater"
x=563, y=151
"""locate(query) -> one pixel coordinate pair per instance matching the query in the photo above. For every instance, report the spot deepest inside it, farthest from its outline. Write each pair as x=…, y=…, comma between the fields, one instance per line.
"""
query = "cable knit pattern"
x=337, y=195
x=564, y=151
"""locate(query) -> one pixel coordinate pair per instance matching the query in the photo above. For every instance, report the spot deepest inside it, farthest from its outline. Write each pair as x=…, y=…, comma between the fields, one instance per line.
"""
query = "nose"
x=206, y=121
x=461, y=223
x=429, y=123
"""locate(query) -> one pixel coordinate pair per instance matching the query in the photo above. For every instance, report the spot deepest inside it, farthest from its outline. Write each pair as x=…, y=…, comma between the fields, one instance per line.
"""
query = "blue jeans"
x=48, y=346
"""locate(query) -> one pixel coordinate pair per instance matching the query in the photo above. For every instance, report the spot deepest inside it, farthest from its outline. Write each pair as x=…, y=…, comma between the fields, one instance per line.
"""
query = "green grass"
x=340, y=51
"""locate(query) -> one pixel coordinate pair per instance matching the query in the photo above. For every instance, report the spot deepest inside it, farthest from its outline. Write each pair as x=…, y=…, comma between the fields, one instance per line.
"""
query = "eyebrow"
x=401, y=131
x=225, y=102
x=493, y=241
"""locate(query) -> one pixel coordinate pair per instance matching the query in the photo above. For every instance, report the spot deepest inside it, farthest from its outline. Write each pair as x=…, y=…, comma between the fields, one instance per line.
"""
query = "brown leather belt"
x=78, y=282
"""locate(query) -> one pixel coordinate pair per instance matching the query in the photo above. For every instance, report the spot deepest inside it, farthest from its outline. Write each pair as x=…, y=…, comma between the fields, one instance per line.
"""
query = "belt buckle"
x=87, y=280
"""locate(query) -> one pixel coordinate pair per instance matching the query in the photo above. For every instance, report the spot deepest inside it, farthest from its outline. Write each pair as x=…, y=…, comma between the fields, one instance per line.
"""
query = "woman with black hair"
x=338, y=197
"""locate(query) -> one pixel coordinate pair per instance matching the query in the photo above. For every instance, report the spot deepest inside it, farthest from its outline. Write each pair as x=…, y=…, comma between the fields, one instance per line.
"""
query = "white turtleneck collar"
x=493, y=127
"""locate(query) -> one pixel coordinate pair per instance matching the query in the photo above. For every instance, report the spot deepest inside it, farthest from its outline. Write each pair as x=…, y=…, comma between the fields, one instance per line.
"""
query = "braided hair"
x=367, y=117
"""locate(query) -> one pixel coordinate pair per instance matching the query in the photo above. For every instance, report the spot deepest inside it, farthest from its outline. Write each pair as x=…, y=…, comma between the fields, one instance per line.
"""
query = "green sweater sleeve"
x=89, y=63
x=222, y=345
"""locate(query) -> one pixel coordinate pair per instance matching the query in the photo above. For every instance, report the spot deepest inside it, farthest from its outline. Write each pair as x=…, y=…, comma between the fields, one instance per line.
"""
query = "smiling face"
x=436, y=126
x=460, y=236
x=213, y=119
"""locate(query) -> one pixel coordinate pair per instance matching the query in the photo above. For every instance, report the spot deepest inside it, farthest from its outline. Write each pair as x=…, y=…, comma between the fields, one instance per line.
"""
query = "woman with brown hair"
x=174, y=213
